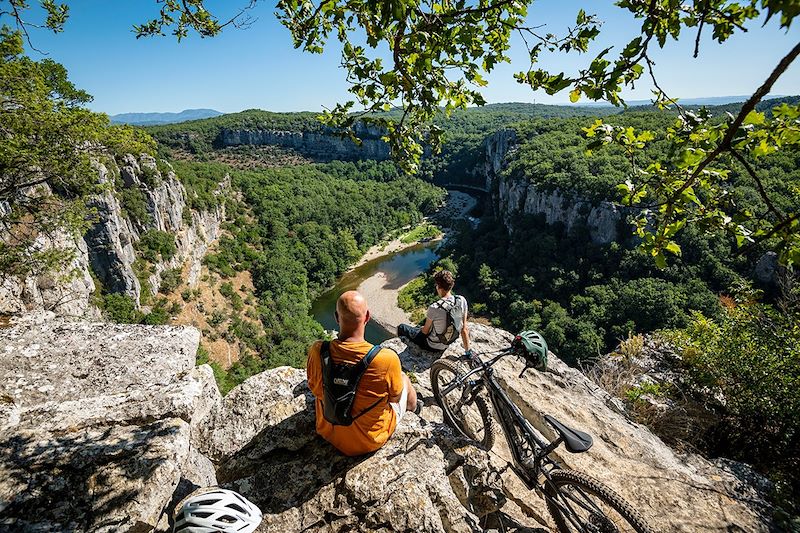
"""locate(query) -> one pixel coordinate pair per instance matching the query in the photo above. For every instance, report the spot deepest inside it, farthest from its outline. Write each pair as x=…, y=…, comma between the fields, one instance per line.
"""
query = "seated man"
x=383, y=394
x=445, y=320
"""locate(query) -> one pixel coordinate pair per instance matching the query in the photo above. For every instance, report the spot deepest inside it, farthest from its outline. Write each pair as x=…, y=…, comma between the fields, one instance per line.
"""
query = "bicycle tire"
x=457, y=420
x=561, y=479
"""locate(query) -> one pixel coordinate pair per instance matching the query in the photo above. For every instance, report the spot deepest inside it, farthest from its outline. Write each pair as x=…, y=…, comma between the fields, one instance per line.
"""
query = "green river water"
x=399, y=268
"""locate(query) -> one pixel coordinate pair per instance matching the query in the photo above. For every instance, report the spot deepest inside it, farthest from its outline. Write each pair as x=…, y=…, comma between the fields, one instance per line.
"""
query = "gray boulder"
x=97, y=428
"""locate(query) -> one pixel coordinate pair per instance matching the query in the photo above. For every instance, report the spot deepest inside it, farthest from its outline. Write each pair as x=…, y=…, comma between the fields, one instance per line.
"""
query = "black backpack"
x=455, y=321
x=339, y=384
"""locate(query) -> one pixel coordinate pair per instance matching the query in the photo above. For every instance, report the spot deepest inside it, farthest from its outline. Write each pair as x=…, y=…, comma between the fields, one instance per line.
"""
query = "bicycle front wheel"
x=578, y=502
x=464, y=408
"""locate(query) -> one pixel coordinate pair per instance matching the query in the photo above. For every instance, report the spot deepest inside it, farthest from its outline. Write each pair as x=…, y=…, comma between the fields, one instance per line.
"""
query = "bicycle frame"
x=568, y=504
x=511, y=419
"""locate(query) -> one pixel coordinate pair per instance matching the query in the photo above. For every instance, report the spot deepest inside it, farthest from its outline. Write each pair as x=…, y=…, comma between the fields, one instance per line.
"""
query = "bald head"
x=352, y=310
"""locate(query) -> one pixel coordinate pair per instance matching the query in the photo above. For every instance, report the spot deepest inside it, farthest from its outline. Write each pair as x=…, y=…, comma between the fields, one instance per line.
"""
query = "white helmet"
x=215, y=511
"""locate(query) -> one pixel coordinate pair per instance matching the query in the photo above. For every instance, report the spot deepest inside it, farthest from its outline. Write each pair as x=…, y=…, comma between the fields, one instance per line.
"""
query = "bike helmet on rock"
x=532, y=346
x=218, y=510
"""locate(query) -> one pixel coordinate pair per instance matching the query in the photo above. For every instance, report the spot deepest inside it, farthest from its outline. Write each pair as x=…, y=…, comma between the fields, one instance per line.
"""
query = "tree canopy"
x=440, y=52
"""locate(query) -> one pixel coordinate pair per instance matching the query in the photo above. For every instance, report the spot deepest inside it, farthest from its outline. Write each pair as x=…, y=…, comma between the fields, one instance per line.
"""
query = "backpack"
x=339, y=384
x=455, y=321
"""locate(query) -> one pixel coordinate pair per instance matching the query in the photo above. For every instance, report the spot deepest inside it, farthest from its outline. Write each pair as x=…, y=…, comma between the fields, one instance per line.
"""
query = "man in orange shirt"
x=382, y=379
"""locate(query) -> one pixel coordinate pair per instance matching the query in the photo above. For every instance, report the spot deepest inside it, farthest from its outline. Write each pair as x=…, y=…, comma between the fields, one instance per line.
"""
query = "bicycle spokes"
x=582, y=514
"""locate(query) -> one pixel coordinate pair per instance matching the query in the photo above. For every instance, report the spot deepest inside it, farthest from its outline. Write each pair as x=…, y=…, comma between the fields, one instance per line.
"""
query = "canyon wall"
x=513, y=196
x=106, y=255
x=325, y=144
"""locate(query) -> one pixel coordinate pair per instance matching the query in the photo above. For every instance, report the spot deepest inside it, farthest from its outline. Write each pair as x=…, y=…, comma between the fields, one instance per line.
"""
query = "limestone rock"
x=108, y=427
x=514, y=195
x=414, y=483
x=108, y=249
x=676, y=492
x=111, y=238
x=101, y=433
x=66, y=292
x=324, y=144
x=426, y=479
x=767, y=268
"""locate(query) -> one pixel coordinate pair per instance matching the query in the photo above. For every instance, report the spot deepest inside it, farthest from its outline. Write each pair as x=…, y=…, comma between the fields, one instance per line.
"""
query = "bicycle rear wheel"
x=464, y=408
x=578, y=502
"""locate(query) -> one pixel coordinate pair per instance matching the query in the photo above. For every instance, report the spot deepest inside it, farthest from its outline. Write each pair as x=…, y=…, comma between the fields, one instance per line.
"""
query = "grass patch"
x=423, y=231
x=415, y=297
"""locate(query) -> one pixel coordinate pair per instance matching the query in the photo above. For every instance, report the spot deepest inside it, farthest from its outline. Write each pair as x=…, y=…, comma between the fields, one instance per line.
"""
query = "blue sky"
x=258, y=68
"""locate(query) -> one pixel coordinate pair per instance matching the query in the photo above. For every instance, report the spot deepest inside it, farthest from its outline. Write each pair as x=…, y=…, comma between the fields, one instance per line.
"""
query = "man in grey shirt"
x=430, y=335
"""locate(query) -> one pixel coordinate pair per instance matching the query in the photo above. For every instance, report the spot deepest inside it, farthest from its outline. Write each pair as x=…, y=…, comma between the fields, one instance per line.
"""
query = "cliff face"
x=108, y=428
x=108, y=249
x=321, y=145
x=69, y=291
x=516, y=195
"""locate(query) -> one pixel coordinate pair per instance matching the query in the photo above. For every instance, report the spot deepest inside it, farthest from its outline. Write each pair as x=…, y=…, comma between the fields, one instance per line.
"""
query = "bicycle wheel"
x=578, y=502
x=464, y=408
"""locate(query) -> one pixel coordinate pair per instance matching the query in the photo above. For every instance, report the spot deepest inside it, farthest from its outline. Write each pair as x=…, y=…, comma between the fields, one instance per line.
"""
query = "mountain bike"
x=576, y=501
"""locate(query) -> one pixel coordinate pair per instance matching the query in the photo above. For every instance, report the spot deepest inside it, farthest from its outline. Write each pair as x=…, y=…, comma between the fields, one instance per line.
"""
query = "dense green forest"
x=201, y=136
x=295, y=229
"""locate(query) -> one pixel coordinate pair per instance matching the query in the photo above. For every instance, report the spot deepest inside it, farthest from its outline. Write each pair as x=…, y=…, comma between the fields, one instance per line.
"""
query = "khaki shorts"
x=400, y=407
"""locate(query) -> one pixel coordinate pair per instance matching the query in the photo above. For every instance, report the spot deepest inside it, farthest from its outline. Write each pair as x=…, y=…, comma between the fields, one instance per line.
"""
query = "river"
x=399, y=268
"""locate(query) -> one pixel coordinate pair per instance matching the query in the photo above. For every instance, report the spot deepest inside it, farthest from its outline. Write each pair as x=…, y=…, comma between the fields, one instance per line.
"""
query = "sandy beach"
x=457, y=205
x=382, y=300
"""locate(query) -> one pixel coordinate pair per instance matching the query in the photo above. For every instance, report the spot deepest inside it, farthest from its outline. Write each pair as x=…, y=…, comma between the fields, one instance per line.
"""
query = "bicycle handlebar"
x=483, y=365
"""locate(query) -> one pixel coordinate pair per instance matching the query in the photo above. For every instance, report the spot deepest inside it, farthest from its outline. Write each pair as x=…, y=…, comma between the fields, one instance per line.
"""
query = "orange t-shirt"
x=382, y=379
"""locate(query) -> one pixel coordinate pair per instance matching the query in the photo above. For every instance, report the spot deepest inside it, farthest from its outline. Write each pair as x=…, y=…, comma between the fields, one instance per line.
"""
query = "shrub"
x=217, y=318
x=746, y=366
x=142, y=270
x=416, y=296
x=159, y=314
x=120, y=308
x=134, y=205
x=150, y=176
x=156, y=244
x=170, y=279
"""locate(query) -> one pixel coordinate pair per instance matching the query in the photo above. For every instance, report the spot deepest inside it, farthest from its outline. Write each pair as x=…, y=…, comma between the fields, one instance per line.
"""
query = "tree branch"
x=775, y=229
x=725, y=144
x=761, y=190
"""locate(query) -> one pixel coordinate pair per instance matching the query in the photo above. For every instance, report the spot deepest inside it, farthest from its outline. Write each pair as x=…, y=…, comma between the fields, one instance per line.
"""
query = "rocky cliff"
x=107, y=252
x=515, y=195
x=325, y=145
x=107, y=428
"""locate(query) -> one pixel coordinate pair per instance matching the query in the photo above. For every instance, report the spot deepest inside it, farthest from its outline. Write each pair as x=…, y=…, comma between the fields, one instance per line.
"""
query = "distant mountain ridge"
x=704, y=100
x=149, y=119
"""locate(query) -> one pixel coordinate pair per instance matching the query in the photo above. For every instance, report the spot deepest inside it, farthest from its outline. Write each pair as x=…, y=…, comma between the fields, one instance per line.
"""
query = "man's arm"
x=394, y=379
x=313, y=370
x=426, y=329
x=465, y=333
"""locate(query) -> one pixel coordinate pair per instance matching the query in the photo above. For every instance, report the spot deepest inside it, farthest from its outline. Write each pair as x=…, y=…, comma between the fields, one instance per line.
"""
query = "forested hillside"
x=295, y=229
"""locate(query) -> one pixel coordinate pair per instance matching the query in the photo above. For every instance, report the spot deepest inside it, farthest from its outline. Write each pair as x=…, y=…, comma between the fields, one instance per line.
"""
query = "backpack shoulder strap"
x=358, y=372
x=325, y=355
x=361, y=367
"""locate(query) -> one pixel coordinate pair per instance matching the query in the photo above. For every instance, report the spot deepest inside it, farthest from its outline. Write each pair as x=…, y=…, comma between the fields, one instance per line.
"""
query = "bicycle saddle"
x=575, y=441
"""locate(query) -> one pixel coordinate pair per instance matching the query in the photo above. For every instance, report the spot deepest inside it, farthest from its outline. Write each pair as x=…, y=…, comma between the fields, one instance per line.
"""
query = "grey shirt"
x=438, y=315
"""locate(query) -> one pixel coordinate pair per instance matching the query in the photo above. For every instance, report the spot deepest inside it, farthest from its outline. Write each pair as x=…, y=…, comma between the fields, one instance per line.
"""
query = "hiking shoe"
x=418, y=409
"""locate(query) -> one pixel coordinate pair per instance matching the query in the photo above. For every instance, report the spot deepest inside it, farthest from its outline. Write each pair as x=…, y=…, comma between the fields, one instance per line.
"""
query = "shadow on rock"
x=286, y=464
x=93, y=479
